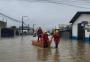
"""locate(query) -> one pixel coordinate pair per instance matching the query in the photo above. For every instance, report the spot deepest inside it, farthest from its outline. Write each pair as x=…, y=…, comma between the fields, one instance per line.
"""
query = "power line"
x=11, y=18
x=79, y=2
x=68, y=3
x=64, y=3
x=75, y=1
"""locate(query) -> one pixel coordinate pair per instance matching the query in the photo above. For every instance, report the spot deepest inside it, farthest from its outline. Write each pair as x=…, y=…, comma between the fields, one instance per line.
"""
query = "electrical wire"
x=12, y=19
x=68, y=4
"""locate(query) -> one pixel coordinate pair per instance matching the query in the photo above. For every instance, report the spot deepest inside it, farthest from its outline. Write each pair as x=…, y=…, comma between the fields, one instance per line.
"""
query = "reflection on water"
x=43, y=54
x=56, y=56
x=21, y=50
x=48, y=55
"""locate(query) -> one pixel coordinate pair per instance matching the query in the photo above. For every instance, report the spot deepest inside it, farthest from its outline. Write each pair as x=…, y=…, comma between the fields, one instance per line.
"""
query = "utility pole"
x=33, y=27
x=22, y=25
x=28, y=28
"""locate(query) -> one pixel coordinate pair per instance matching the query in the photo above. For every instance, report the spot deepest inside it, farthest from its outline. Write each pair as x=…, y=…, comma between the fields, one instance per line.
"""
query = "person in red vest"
x=39, y=33
x=45, y=39
x=56, y=37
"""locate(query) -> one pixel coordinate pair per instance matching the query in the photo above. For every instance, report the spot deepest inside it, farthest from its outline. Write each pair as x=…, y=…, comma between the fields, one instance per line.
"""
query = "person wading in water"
x=56, y=37
x=39, y=33
x=45, y=39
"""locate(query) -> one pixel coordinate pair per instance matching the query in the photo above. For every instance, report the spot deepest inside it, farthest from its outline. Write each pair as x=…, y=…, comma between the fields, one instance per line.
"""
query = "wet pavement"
x=20, y=49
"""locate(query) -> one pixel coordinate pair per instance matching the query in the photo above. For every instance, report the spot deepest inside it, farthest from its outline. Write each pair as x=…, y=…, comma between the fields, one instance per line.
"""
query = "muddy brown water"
x=20, y=49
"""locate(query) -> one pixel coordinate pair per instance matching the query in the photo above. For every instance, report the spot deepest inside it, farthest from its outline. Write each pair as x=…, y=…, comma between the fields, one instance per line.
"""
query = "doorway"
x=81, y=32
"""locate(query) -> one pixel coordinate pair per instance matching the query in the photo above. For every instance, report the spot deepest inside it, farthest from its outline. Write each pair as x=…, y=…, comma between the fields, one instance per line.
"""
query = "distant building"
x=26, y=30
x=79, y=22
x=2, y=25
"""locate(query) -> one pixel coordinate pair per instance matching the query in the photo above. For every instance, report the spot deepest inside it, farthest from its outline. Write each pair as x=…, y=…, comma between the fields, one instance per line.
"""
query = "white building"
x=79, y=23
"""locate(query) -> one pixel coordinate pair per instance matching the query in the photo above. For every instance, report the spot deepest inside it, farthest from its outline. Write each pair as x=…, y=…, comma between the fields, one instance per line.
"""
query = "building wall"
x=2, y=25
x=87, y=33
x=74, y=30
x=83, y=17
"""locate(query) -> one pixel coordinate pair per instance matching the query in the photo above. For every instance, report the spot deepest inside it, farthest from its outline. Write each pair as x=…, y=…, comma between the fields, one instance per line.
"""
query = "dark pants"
x=39, y=36
x=46, y=44
x=56, y=44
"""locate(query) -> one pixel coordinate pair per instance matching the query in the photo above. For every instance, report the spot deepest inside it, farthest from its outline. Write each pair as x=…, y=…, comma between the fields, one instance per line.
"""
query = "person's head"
x=39, y=27
x=45, y=31
x=56, y=31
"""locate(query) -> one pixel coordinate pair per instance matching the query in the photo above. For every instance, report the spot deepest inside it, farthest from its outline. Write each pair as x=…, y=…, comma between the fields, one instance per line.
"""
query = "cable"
x=58, y=2
x=11, y=18
x=75, y=1
x=63, y=3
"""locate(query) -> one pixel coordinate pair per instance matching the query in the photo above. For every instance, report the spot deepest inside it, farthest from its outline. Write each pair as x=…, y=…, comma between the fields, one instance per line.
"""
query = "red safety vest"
x=56, y=37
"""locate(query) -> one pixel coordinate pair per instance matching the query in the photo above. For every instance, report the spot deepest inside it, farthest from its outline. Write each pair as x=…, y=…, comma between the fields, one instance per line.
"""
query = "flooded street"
x=20, y=49
x=42, y=18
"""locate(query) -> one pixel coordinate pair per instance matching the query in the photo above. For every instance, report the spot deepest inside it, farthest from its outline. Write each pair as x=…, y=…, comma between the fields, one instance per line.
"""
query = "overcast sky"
x=42, y=13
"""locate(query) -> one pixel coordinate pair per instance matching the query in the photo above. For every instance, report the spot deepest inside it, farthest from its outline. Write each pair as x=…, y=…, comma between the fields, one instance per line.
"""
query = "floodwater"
x=20, y=49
